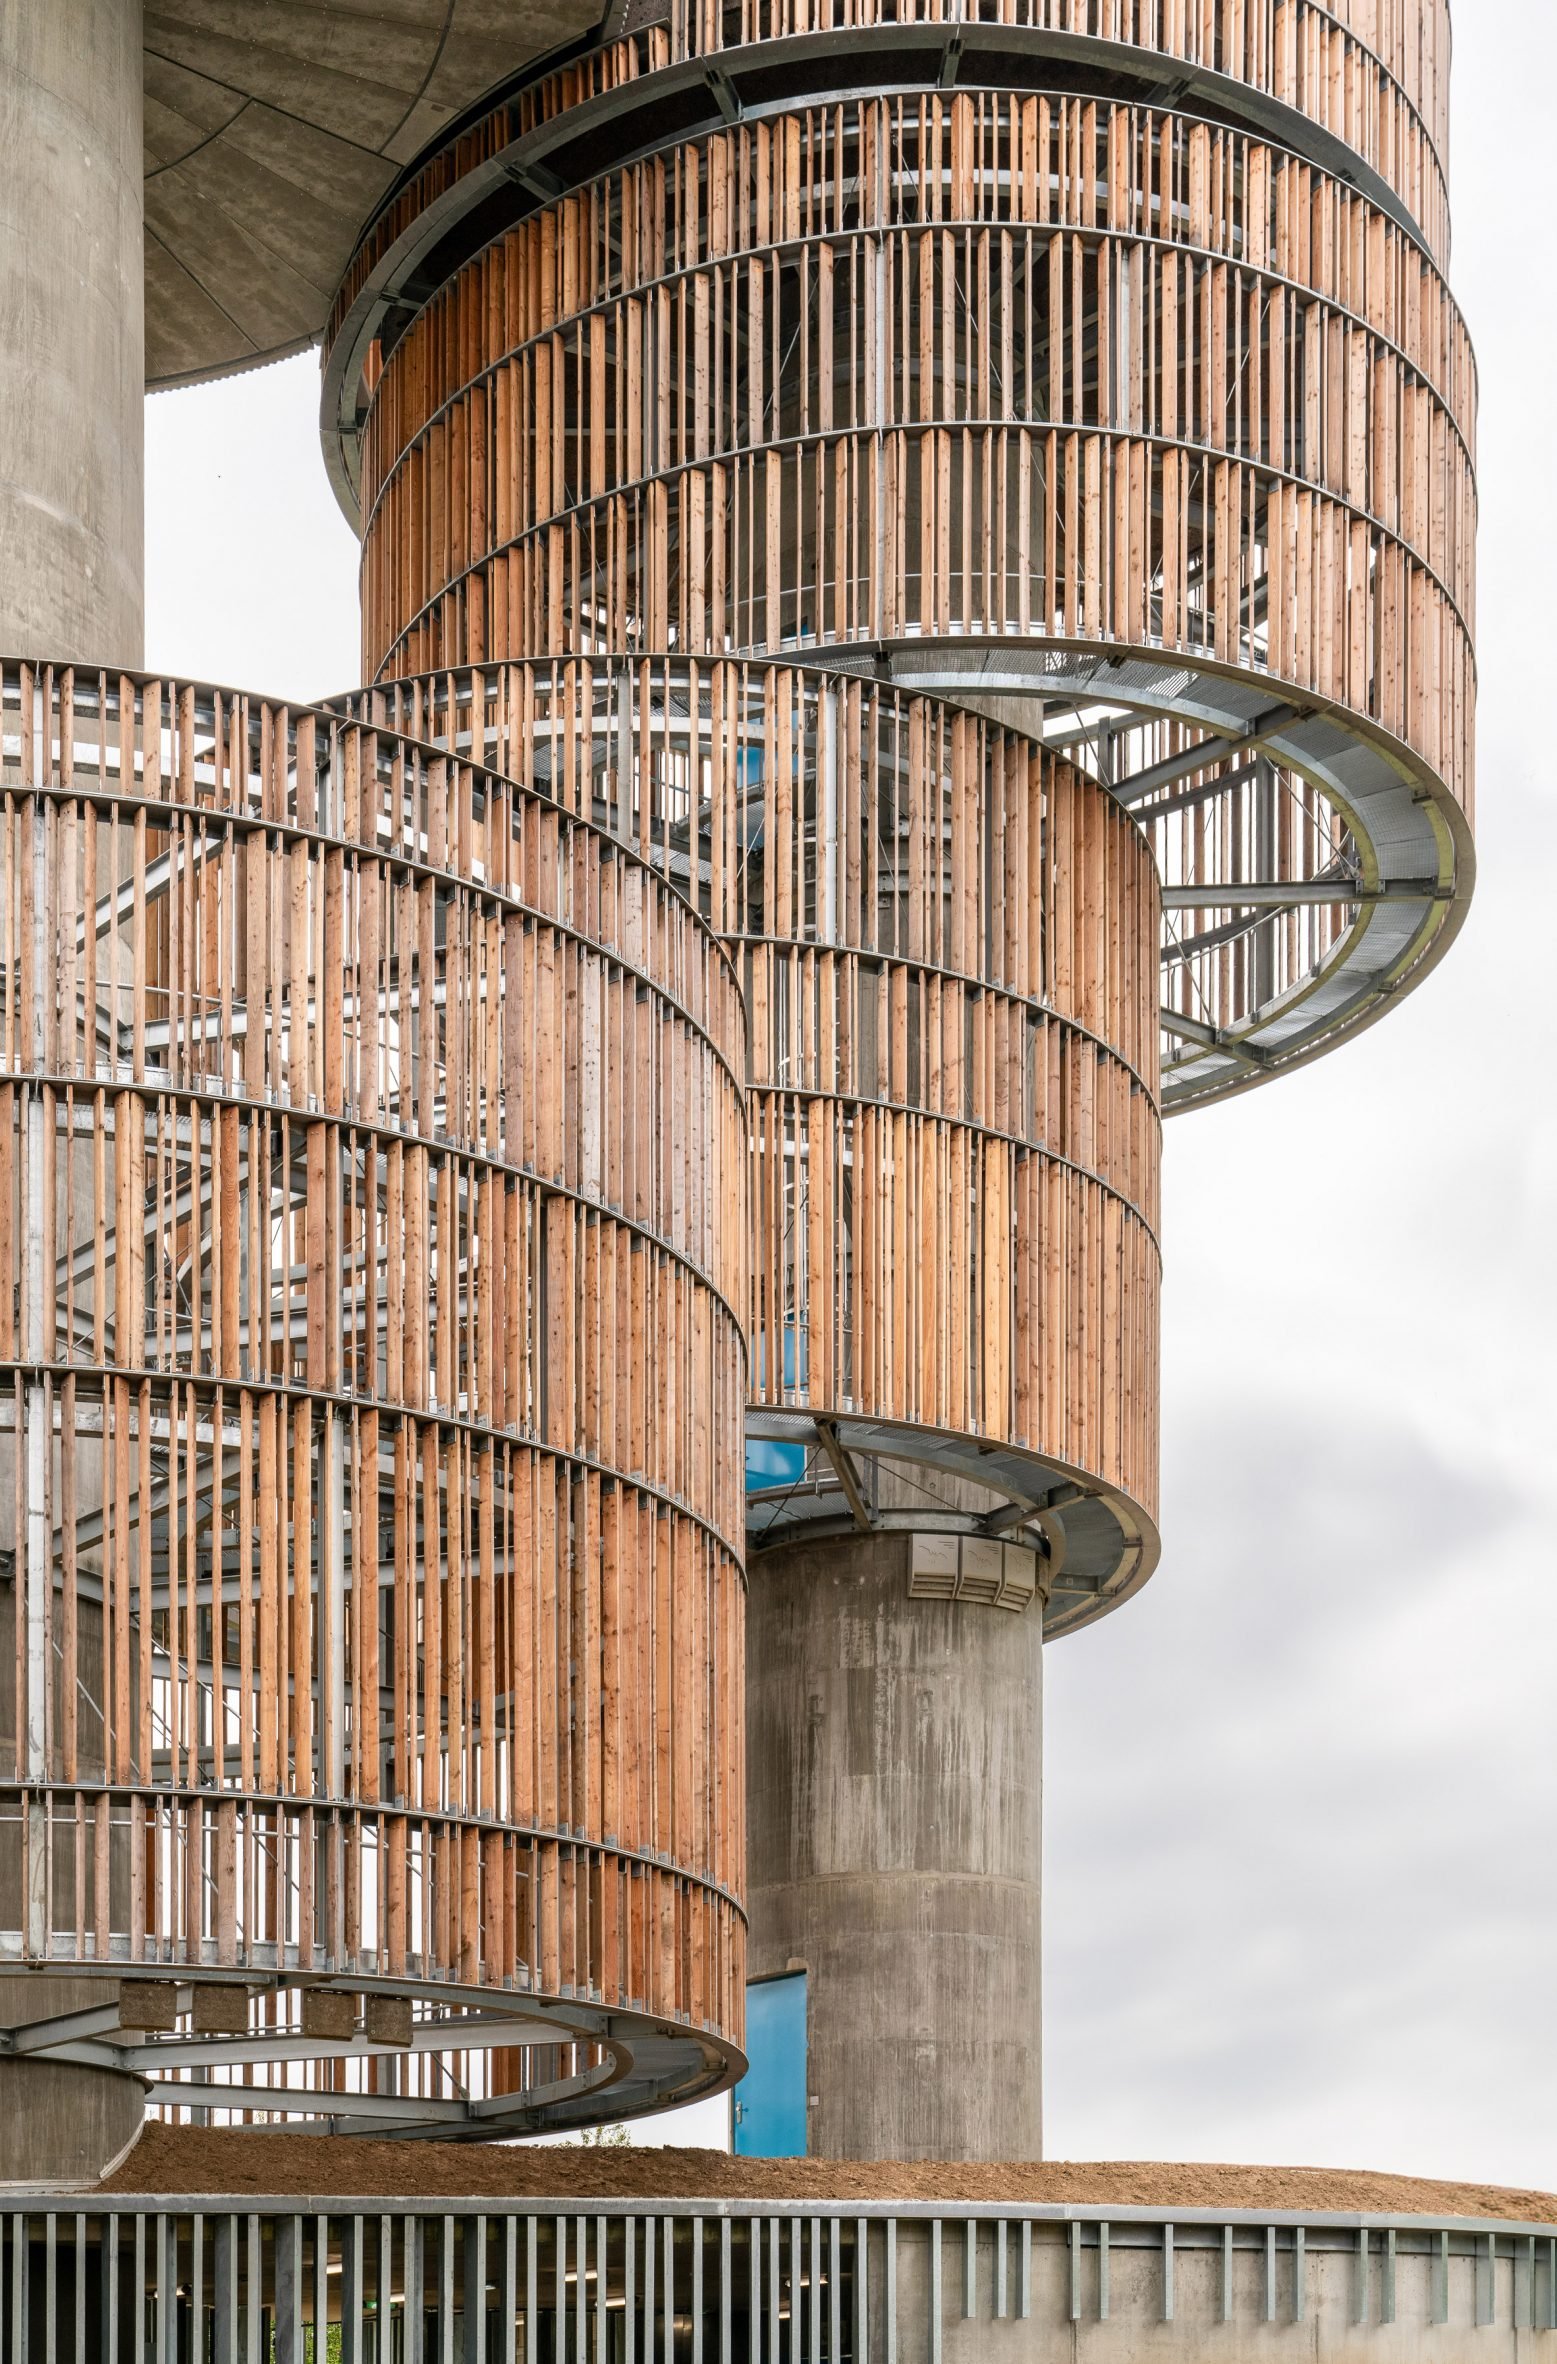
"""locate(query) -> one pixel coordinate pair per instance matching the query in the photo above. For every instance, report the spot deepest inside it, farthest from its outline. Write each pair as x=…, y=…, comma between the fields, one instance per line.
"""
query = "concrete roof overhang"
x=274, y=128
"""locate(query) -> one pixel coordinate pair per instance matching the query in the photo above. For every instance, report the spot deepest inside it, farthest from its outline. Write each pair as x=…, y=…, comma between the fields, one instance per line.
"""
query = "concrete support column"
x=72, y=330
x=62, y=2124
x=894, y=1847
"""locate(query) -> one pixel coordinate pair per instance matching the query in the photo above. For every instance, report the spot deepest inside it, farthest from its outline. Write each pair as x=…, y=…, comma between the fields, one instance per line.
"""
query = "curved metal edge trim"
x=1154, y=679
x=160, y=1087
x=745, y=456
x=1169, y=78
x=653, y=2063
x=973, y=1457
x=1432, y=942
x=285, y=1804
x=216, y=820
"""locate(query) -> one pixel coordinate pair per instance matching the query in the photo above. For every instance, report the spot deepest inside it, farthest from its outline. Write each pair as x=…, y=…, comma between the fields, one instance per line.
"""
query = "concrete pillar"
x=62, y=2124
x=894, y=1777
x=72, y=330
x=72, y=408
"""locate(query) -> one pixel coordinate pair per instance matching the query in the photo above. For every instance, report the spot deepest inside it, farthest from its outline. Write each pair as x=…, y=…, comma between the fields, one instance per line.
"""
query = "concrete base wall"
x=62, y=2126
x=894, y=1800
x=61, y=2123
x=72, y=330
x=1126, y=2293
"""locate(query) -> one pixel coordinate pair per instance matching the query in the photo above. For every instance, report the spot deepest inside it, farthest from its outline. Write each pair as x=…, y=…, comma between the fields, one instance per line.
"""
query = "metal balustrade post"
x=289, y=2269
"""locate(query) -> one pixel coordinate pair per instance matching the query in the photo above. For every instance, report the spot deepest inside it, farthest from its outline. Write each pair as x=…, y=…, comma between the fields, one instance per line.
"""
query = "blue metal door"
x=770, y=2101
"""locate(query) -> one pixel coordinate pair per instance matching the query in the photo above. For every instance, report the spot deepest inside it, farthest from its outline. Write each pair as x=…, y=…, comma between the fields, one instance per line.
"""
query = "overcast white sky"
x=1302, y=1801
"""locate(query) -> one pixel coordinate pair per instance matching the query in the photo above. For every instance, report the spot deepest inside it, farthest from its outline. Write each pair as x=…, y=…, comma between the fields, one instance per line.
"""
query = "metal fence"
x=395, y=2282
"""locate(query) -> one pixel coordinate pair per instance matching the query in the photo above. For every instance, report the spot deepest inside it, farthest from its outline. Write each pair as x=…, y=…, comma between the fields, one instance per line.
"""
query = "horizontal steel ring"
x=496, y=899
x=780, y=250
x=1042, y=1150
x=639, y=103
x=136, y=1375
x=391, y=1136
x=179, y=1795
x=978, y=1458
x=865, y=438
x=992, y=987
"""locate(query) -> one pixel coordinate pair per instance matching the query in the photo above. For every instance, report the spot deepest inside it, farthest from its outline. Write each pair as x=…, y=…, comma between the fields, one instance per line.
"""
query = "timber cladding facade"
x=917, y=594
x=372, y=1447
x=983, y=501
x=948, y=941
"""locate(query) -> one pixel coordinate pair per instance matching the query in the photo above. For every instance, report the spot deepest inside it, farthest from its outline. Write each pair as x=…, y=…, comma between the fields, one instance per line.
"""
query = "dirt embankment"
x=202, y=2160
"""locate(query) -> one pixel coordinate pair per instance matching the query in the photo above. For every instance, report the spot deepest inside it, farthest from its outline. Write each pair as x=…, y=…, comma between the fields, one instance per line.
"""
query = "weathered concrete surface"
x=181, y=187
x=894, y=1755
x=72, y=348
x=1135, y=2292
x=273, y=130
x=61, y=2123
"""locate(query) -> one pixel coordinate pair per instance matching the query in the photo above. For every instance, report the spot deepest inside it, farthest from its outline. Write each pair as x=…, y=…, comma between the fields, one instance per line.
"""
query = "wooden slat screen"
x=949, y=944
x=974, y=366
x=1373, y=74
x=372, y=1366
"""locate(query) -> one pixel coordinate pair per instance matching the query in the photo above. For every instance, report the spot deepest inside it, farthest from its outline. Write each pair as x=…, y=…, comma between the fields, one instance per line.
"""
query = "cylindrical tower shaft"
x=72, y=399
x=72, y=395
x=895, y=1744
x=72, y=329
